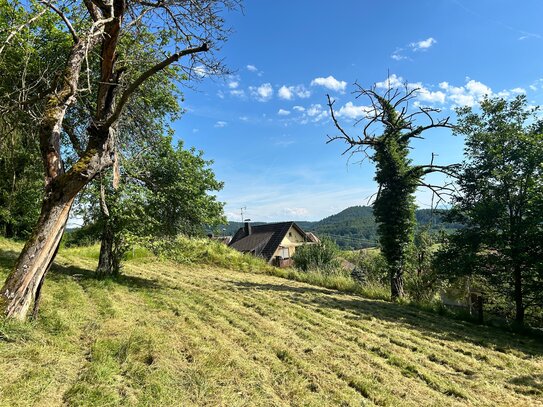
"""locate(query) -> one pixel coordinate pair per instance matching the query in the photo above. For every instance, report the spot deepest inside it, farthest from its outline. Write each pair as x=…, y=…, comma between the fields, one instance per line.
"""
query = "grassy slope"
x=169, y=335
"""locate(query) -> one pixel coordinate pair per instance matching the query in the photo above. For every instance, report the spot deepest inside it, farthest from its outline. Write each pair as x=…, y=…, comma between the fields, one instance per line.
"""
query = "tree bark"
x=519, y=303
x=107, y=263
x=20, y=288
x=396, y=284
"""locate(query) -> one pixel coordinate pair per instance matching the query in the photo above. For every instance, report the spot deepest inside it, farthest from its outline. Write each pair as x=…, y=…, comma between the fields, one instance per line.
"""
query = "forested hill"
x=355, y=226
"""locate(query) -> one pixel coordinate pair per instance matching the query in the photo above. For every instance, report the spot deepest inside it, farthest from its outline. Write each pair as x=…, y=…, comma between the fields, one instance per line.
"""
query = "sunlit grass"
x=165, y=334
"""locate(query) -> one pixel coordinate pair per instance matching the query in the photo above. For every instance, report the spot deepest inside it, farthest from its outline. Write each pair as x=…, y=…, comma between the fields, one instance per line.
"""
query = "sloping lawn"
x=171, y=335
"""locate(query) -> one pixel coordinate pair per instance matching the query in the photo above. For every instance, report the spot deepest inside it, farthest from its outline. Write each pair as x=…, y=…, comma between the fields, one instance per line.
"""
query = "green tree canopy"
x=501, y=203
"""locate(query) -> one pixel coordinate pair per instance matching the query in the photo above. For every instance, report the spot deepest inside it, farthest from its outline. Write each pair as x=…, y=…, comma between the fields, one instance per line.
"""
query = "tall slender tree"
x=182, y=30
x=389, y=128
x=501, y=204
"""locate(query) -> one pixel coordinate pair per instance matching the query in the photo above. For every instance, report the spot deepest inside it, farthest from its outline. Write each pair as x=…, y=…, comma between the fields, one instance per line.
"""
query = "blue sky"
x=266, y=125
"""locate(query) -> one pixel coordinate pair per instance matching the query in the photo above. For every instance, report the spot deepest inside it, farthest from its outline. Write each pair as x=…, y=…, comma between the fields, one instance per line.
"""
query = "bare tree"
x=388, y=128
x=183, y=30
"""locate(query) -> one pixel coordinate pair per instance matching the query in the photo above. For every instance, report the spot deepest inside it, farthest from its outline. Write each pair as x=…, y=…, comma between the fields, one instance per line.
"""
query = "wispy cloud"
x=422, y=45
x=416, y=46
x=290, y=92
x=283, y=112
x=240, y=93
x=221, y=124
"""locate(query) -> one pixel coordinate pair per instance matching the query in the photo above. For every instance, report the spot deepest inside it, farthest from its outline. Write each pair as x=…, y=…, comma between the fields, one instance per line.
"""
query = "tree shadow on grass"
x=439, y=327
x=528, y=384
x=8, y=258
x=81, y=275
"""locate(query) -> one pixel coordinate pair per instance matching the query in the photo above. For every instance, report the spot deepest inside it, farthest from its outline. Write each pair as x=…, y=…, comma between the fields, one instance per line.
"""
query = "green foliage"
x=164, y=192
x=370, y=268
x=21, y=182
x=422, y=280
x=501, y=205
x=318, y=256
x=21, y=63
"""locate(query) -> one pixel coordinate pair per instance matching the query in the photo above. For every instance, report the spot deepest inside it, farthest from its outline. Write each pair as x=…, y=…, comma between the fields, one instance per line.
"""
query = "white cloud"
x=252, y=68
x=478, y=89
x=354, y=112
x=330, y=83
x=289, y=92
x=422, y=45
x=426, y=95
x=299, y=108
x=467, y=95
x=244, y=118
x=220, y=124
x=233, y=84
x=262, y=93
x=283, y=112
x=316, y=112
x=518, y=91
x=285, y=93
x=393, y=81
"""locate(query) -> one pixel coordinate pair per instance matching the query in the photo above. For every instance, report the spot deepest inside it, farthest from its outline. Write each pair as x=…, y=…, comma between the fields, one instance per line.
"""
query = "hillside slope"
x=170, y=335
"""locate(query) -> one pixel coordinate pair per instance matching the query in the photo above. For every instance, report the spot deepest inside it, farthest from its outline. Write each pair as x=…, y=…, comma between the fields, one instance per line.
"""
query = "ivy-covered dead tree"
x=389, y=127
x=180, y=30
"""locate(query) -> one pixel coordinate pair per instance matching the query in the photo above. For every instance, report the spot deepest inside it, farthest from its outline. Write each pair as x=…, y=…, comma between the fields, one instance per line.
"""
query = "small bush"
x=321, y=256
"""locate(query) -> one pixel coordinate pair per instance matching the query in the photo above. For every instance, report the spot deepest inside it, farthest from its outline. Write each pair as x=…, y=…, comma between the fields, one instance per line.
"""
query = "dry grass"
x=170, y=335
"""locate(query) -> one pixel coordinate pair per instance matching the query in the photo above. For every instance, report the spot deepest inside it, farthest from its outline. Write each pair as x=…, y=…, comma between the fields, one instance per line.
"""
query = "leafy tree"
x=501, y=203
x=164, y=192
x=389, y=129
x=95, y=83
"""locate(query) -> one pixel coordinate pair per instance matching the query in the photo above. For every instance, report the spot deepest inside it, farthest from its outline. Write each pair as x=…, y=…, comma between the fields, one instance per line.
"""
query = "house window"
x=284, y=252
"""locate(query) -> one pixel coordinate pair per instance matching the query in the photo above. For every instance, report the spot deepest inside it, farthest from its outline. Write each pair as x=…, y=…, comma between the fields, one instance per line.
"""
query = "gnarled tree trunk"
x=20, y=288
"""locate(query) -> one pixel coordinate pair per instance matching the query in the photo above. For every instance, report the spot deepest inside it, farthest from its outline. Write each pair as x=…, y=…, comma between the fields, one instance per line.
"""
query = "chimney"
x=247, y=228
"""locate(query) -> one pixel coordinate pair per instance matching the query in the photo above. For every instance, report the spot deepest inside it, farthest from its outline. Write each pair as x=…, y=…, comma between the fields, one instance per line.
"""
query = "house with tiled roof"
x=274, y=242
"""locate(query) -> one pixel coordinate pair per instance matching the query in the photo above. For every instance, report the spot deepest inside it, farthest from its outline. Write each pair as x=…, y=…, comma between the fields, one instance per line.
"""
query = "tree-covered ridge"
x=355, y=227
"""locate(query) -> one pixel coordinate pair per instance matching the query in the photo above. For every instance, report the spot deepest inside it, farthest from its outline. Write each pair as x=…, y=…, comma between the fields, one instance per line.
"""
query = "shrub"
x=320, y=256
